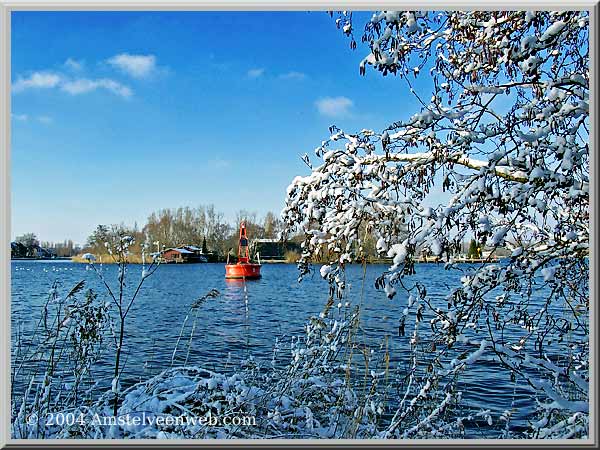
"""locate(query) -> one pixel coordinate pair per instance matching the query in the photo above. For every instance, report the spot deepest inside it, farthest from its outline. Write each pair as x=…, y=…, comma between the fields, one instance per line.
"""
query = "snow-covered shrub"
x=118, y=244
x=53, y=370
x=504, y=137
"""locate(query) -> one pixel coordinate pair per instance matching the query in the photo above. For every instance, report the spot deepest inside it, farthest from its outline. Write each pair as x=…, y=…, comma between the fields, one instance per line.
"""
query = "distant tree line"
x=62, y=249
x=28, y=246
x=204, y=227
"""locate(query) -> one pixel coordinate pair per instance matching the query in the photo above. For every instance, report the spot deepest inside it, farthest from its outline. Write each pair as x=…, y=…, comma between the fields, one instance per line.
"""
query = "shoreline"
x=58, y=258
x=137, y=260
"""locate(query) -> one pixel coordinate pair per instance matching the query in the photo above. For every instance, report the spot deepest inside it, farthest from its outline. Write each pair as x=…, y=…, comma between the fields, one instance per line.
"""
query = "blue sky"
x=118, y=114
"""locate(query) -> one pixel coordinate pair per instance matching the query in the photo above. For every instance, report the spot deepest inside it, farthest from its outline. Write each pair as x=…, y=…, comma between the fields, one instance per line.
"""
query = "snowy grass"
x=105, y=258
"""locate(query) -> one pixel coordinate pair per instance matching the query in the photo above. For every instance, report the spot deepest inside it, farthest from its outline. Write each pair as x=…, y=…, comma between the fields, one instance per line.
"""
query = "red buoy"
x=243, y=269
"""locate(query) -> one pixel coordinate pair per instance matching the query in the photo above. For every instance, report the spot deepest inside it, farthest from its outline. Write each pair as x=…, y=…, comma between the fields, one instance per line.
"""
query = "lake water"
x=229, y=331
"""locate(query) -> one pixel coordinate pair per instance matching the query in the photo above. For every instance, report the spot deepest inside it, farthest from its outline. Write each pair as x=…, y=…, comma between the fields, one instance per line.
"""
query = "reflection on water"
x=236, y=291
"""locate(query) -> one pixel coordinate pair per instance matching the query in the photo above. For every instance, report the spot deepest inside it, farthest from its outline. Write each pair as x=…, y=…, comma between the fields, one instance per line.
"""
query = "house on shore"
x=21, y=251
x=199, y=255
x=185, y=254
x=176, y=255
x=273, y=249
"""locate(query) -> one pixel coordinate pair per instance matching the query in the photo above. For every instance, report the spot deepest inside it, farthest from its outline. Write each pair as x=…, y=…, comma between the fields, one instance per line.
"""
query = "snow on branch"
x=499, y=154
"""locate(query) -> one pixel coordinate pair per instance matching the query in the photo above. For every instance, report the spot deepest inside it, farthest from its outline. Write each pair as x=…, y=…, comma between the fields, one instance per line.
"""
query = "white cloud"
x=73, y=86
x=25, y=117
x=73, y=64
x=37, y=80
x=334, y=106
x=137, y=66
x=293, y=75
x=20, y=117
x=84, y=85
x=255, y=73
x=45, y=119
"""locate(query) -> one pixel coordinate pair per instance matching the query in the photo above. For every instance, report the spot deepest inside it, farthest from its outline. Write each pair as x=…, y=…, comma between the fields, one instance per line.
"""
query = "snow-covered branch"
x=497, y=153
